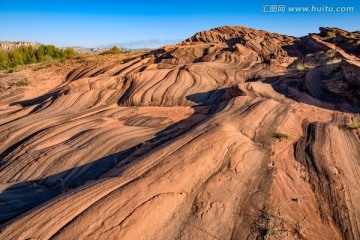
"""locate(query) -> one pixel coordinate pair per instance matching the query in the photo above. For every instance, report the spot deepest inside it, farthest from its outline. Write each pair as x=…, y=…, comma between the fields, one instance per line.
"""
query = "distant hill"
x=7, y=45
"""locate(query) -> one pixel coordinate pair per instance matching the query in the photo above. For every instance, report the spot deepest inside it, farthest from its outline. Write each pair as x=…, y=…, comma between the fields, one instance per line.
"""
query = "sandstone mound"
x=234, y=133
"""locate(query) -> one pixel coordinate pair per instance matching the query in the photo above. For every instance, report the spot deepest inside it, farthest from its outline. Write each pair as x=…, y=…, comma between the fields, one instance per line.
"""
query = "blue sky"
x=140, y=23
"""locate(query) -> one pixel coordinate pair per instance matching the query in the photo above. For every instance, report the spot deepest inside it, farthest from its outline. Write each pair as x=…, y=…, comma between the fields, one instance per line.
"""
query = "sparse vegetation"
x=81, y=58
x=299, y=226
x=354, y=122
x=302, y=65
x=333, y=61
x=115, y=50
x=330, y=35
x=330, y=57
x=281, y=136
x=329, y=54
x=271, y=232
x=22, y=83
x=27, y=55
x=271, y=224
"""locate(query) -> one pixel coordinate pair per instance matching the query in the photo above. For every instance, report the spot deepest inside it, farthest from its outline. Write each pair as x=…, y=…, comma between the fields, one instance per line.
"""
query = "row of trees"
x=28, y=54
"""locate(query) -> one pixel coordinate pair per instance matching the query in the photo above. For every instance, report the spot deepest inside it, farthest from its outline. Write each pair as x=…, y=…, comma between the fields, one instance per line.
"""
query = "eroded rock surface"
x=234, y=133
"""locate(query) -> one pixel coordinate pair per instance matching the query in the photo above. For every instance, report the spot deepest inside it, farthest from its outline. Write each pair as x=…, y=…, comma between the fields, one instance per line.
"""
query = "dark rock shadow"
x=20, y=197
x=296, y=89
x=232, y=41
x=214, y=96
x=39, y=101
x=298, y=49
x=207, y=98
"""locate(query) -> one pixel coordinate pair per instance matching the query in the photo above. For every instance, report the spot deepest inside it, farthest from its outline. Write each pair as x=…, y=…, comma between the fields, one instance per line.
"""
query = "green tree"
x=69, y=53
x=28, y=54
x=51, y=51
x=115, y=50
x=16, y=58
x=4, y=60
x=40, y=53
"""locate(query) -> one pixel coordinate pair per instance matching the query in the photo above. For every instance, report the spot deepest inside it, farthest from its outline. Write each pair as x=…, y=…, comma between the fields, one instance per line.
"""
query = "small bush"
x=330, y=35
x=271, y=232
x=354, y=123
x=333, y=61
x=271, y=224
x=302, y=65
x=69, y=53
x=330, y=54
x=113, y=50
x=22, y=83
x=281, y=136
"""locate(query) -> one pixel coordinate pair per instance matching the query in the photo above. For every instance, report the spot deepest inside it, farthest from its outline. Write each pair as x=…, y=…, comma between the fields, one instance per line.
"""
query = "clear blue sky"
x=140, y=23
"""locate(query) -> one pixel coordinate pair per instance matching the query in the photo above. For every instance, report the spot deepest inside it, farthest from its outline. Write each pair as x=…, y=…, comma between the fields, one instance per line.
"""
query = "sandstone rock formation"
x=234, y=133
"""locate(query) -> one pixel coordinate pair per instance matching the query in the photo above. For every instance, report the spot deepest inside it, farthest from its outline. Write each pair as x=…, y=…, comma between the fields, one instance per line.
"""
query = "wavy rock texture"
x=223, y=136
